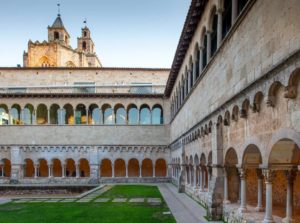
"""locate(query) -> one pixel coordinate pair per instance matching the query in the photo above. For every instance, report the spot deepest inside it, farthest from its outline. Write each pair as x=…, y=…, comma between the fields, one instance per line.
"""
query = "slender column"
x=200, y=179
x=126, y=169
x=201, y=48
x=140, y=171
x=226, y=172
x=195, y=177
x=48, y=116
x=60, y=117
x=220, y=26
x=63, y=170
x=113, y=170
x=191, y=174
x=153, y=170
x=234, y=11
x=49, y=171
x=259, y=207
x=204, y=180
x=10, y=120
x=22, y=117
x=77, y=171
x=208, y=34
x=269, y=175
x=87, y=116
x=194, y=72
x=243, y=206
x=74, y=115
x=35, y=170
x=34, y=117
x=189, y=82
x=290, y=175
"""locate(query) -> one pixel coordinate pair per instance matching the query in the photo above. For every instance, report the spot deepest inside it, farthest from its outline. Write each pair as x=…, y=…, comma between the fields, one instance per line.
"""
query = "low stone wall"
x=135, y=180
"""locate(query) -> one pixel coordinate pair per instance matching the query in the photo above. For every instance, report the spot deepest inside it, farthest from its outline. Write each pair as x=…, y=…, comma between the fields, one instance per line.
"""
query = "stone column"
x=220, y=26
x=259, y=207
x=269, y=175
x=200, y=179
x=226, y=172
x=201, y=48
x=290, y=175
x=77, y=170
x=208, y=52
x=49, y=171
x=10, y=120
x=234, y=7
x=35, y=170
x=243, y=175
x=153, y=172
x=63, y=170
x=204, y=179
x=48, y=116
x=194, y=72
x=140, y=175
x=61, y=116
x=189, y=82
x=195, y=177
x=87, y=116
x=2, y=170
x=74, y=115
x=112, y=170
x=126, y=171
x=22, y=116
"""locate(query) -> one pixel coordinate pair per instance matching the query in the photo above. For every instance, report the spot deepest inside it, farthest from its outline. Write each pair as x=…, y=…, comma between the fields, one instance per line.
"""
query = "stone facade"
x=222, y=124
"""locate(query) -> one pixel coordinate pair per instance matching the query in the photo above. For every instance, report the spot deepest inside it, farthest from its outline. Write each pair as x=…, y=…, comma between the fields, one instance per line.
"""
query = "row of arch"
x=252, y=103
x=82, y=115
x=220, y=21
x=70, y=168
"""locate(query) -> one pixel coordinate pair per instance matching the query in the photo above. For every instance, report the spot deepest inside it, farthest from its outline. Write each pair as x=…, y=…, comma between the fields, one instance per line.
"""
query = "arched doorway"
x=160, y=168
x=120, y=168
x=84, y=168
x=56, y=168
x=147, y=168
x=133, y=168
x=28, y=168
x=70, y=168
x=106, y=168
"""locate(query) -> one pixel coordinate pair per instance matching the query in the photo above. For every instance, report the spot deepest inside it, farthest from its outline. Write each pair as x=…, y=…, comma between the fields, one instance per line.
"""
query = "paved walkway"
x=183, y=208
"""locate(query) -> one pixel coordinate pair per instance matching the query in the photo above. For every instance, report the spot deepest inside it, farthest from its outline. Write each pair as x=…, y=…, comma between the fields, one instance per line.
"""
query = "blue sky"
x=127, y=33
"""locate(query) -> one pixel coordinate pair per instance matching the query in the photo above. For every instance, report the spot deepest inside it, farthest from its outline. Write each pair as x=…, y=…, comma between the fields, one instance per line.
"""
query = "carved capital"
x=269, y=175
x=290, y=92
x=243, y=173
x=290, y=175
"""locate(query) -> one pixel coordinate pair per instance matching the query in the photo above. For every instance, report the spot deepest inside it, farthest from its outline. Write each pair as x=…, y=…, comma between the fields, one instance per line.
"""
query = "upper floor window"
x=84, y=45
x=56, y=35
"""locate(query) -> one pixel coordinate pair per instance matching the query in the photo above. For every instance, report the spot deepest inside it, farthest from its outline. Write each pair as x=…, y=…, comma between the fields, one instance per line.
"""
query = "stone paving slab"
x=68, y=200
x=101, y=200
x=154, y=201
x=53, y=200
x=137, y=200
x=121, y=200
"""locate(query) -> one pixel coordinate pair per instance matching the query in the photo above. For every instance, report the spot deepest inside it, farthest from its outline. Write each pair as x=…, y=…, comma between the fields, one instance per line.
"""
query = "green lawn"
x=91, y=212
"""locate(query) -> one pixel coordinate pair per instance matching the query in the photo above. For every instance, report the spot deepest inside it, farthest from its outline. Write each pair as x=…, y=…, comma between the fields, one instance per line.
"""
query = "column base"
x=259, y=209
x=288, y=220
x=226, y=202
x=268, y=220
x=242, y=210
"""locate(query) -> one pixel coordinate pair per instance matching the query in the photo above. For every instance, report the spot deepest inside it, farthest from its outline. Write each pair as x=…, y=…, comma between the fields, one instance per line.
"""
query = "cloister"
x=84, y=114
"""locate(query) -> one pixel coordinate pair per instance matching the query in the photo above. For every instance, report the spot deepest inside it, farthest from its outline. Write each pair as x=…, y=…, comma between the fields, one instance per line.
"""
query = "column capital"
x=269, y=175
x=259, y=173
x=208, y=32
x=290, y=175
x=220, y=11
x=243, y=173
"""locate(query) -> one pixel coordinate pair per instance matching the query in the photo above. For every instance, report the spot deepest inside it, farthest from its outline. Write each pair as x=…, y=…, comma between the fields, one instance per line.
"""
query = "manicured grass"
x=129, y=191
x=91, y=212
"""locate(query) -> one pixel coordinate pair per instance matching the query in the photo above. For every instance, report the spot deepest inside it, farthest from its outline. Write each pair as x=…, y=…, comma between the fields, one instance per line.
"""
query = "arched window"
x=197, y=56
x=80, y=114
x=28, y=115
x=28, y=168
x=55, y=115
x=95, y=115
x=204, y=59
x=226, y=17
x=4, y=116
x=157, y=115
x=84, y=45
x=56, y=35
x=108, y=116
x=15, y=114
x=120, y=115
x=241, y=5
x=42, y=114
x=133, y=115
x=84, y=168
x=214, y=34
x=145, y=115
x=68, y=114
x=42, y=168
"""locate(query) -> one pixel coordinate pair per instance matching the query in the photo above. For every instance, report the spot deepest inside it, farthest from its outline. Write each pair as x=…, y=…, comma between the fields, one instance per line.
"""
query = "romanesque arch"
x=160, y=168
x=147, y=168
x=70, y=168
x=231, y=160
x=120, y=168
x=133, y=168
x=106, y=168
x=42, y=168
x=29, y=169
x=84, y=168
x=56, y=168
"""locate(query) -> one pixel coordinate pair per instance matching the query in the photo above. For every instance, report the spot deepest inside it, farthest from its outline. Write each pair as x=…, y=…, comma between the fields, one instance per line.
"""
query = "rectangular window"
x=140, y=89
x=84, y=87
x=17, y=90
